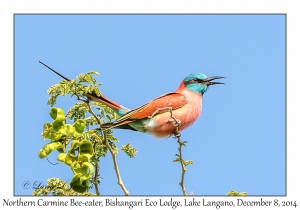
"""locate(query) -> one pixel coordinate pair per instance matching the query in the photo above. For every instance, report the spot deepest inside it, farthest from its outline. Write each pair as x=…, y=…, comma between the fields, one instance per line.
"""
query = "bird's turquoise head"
x=199, y=82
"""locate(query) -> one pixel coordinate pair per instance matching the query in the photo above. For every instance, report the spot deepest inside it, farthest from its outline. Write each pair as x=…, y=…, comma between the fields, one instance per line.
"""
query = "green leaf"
x=188, y=162
x=129, y=150
x=47, y=130
x=78, y=111
x=235, y=193
x=58, y=187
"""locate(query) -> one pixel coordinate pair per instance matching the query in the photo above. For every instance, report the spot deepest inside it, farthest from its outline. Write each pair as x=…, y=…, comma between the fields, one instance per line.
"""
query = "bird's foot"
x=177, y=135
x=175, y=120
x=160, y=110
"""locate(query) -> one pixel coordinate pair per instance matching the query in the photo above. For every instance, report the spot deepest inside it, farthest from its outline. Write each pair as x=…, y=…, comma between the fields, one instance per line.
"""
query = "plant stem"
x=120, y=182
x=183, y=168
x=96, y=180
x=126, y=192
x=180, y=143
x=96, y=175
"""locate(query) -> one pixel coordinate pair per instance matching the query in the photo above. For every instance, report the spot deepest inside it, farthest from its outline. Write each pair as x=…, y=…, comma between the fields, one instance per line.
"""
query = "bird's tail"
x=119, y=109
x=106, y=126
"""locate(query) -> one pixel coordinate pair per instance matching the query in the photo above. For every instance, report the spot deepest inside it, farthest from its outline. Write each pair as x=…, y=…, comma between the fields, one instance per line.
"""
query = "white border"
x=8, y=8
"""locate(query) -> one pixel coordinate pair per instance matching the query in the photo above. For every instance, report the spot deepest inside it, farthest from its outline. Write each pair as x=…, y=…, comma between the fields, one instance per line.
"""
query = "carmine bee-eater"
x=154, y=117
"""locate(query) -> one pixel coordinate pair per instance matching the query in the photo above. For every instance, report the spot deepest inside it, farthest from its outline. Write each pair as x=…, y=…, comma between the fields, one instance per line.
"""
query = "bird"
x=160, y=116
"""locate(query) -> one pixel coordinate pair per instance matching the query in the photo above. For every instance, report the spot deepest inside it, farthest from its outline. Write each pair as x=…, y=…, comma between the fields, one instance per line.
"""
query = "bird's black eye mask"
x=193, y=81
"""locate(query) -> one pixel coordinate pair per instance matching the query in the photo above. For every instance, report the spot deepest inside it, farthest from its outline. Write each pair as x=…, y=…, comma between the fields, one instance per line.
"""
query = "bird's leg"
x=177, y=135
x=160, y=109
x=176, y=121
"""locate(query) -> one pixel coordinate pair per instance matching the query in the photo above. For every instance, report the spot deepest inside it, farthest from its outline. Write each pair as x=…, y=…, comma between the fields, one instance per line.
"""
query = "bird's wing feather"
x=173, y=100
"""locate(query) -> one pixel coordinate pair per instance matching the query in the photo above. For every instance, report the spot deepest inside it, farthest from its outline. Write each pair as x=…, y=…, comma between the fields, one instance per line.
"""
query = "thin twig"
x=180, y=143
x=126, y=192
x=97, y=168
x=96, y=179
x=183, y=168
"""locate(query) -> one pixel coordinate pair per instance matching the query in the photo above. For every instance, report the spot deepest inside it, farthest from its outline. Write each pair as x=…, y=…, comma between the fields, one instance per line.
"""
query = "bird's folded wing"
x=172, y=100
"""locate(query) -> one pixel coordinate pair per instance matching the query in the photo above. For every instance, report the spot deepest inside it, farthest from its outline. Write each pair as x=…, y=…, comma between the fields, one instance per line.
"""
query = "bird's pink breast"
x=162, y=124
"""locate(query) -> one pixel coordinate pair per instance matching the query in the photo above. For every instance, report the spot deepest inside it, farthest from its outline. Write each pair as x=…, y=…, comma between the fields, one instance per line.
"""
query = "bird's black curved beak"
x=208, y=81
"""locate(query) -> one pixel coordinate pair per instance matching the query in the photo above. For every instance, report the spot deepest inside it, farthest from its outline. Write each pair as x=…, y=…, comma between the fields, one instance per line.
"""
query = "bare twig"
x=96, y=179
x=126, y=192
x=97, y=168
x=180, y=143
x=183, y=168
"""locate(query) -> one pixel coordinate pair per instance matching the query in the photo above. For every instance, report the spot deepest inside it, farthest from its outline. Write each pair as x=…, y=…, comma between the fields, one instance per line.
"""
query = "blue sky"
x=237, y=144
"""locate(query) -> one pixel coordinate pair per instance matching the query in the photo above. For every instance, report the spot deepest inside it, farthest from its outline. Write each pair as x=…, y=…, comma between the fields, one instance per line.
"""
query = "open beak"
x=208, y=81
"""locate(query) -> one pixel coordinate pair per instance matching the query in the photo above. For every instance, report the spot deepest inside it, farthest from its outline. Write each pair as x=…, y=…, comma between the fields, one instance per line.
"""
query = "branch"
x=180, y=143
x=126, y=192
x=95, y=181
x=183, y=168
x=177, y=135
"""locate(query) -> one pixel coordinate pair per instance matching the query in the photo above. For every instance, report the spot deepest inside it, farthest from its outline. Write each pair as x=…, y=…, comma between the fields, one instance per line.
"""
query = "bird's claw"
x=177, y=135
x=160, y=109
x=177, y=122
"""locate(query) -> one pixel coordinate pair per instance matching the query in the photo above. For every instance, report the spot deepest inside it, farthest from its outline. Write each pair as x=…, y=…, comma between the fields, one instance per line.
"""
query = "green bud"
x=91, y=169
x=61, y=157
x=77, y=168
x=57, y=125
x=48, y=148
x=69, y=160
x=47, y=130
x=47, y=126
x=83, y=158
x=79, y=126
x=60, y=150
x=86, y=148
x=72, y=148
x=80, y=182
x=69, y=129
x=77, y=186
x=57, y=114
x=54, y=136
